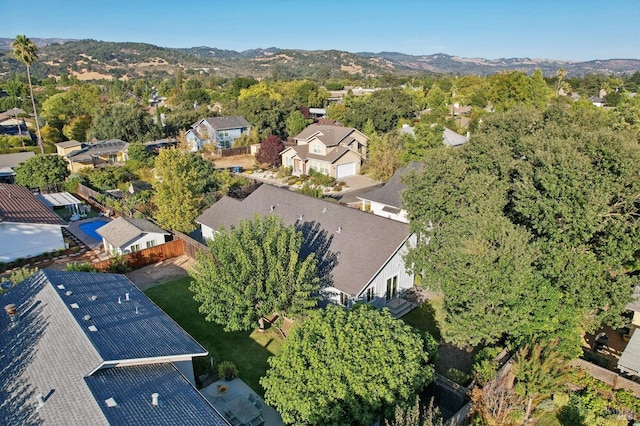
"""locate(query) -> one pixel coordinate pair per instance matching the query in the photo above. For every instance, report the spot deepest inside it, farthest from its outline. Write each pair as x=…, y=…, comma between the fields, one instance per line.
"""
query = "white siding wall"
x=158, y=238
x=376, y=208
x=207, y=232
x=395, y=267
x=23, y=240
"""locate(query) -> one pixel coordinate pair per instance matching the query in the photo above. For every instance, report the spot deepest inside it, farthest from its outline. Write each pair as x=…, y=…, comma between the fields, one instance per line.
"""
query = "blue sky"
x=560, y=29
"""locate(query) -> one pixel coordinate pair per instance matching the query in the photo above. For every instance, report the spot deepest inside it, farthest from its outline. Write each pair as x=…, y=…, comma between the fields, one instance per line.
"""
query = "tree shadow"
x=317, y=241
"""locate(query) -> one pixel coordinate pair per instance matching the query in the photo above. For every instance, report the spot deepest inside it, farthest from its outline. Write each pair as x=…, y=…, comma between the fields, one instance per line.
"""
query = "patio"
x=239, y=404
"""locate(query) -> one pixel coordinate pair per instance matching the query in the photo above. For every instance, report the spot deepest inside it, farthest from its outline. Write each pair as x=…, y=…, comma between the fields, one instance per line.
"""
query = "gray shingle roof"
x=391, y=192
x=112, y=146
x=228, y=122
x=124, y=230
x=349, y=259
x=68, y=144
x=630, y=358
x=303, y=152
x=51, y=351
x=451, y=138
x=19, y=205
x=131, y=388
x=12, y=160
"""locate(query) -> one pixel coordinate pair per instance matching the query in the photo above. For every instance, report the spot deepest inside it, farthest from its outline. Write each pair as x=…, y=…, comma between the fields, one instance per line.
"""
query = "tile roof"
x=328, y=134
x=50, y=351
x=131, y=388
x=112, y=146
x=12, y=160
x=391, y=192
x=123, y=230
x=228, y=122
x=349, y=259
x=19, y=205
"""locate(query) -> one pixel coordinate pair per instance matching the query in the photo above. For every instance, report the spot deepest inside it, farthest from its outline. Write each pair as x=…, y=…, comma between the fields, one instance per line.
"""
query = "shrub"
x=118, y=265
x=228, y=370
x=22, y=274
x=460, y=377
x=80, y=267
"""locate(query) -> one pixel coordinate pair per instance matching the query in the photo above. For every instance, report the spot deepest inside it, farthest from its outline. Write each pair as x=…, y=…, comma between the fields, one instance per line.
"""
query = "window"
x=151, y=243
x=288, y=162
x=316, y=149
x=371, y=293
x=113, y=158
x=392, y=288
x=135, y=247
x=344, y=299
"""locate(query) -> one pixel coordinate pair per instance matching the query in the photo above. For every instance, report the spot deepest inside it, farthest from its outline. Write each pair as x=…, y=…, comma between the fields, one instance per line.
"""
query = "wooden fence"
x=148, y=256
x=230, y=152
x=190, y=246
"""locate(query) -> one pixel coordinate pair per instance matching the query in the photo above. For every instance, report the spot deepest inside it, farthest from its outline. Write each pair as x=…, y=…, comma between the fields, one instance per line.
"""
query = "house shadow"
x=317, y=241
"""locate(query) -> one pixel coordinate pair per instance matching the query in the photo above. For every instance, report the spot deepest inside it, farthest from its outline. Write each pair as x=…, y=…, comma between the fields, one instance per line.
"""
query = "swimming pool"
x=89, y=228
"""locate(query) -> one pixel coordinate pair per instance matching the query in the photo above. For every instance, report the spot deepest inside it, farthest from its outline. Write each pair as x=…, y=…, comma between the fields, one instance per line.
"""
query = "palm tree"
x=26, y=52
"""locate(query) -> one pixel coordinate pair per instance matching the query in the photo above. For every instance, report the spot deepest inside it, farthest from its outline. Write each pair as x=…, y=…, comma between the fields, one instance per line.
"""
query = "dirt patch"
x=247, y=161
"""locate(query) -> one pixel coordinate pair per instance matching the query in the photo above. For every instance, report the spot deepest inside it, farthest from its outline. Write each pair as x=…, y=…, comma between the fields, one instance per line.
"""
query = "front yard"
x=248, y=350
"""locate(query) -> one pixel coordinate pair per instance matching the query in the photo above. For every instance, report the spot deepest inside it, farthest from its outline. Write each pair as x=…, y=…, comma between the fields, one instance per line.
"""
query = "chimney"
x=154, y=398
x=12, y=312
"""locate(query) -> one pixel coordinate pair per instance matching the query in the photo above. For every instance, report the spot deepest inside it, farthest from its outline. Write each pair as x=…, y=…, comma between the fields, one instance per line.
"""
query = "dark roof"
x=132, y=329
x=228, y=122
x=12, y=160
x=131, y=388
x=124, y=230
x=19, y=205
x=390, y=193
x=50, y=351
x=328, y=134
x=349, y=259
x=112, y=146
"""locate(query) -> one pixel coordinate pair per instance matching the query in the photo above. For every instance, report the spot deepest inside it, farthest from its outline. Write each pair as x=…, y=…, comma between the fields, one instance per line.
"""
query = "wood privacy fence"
x=148, y=256
x=190, y=246
x=230, y=152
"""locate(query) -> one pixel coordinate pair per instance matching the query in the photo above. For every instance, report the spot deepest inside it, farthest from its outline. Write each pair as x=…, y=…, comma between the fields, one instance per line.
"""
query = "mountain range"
x=90, y=59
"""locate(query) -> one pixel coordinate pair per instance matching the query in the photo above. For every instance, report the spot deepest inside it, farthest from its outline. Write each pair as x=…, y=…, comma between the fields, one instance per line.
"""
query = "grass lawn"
x=427, y=317
x=248, y=351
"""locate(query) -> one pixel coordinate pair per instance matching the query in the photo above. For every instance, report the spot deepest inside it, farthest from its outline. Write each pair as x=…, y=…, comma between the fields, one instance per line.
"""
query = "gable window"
x=316, y=149
x=344, y=299
x=392, y=288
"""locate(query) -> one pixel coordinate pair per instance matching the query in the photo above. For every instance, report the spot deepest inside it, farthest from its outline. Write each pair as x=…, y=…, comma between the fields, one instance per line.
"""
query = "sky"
x=574, y=30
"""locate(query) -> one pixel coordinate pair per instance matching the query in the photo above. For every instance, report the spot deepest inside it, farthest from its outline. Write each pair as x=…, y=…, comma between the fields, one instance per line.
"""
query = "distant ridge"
x=91, y=59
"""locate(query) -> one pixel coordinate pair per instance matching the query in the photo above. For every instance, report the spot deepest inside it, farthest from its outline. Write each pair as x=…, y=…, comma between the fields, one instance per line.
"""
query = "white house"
x=27, y=227
x=360, y=255
x=220, y=131
x=8, y=163
x=126, y=235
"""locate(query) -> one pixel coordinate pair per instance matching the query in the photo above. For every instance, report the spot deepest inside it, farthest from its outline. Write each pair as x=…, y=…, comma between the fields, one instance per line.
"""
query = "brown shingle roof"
x=19, y=205
x=329, y=135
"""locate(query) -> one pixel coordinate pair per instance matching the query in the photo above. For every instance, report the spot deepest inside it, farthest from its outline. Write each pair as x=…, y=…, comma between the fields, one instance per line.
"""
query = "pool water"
x=89, y=228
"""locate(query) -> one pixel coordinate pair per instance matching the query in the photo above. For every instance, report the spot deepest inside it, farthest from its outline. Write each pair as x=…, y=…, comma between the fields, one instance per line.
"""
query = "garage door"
x=345, y=170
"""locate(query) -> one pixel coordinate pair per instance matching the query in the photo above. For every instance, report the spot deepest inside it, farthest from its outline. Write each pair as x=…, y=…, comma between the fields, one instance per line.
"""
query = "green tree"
x=383, y=155
x=26, y=52
x=539, y=372
x=126, y=122
x=296, y=123
x=41, y=170
x=254, y=270
x=77, y=128
x=357, y=389
x=427, y=136
x=138, y=152
x=178, y=196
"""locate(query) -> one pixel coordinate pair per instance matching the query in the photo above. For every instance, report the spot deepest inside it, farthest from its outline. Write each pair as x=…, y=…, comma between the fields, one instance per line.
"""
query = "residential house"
x=94, y=154
x=157, y=145
x=27, y=226
x=80, y=348
x=127, y=234
x=449, y=137
x=11, y=125
x=332, y=150
x=360, y=256
x=386, y=200
x=629, y=362
x=8, y=163
x=220, y=131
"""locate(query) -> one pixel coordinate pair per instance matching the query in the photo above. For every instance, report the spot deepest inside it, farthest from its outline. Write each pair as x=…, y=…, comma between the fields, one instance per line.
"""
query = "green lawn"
x=249, y=351
x=427, y=317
